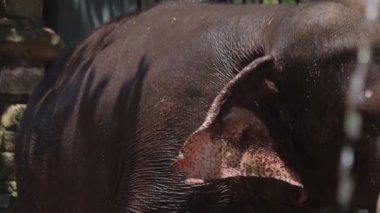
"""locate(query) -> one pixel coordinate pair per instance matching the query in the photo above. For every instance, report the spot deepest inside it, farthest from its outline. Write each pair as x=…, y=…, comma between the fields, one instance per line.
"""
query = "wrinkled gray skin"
x=101, y=133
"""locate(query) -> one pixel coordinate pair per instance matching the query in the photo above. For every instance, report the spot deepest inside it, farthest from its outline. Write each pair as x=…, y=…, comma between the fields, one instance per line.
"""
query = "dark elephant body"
x=101, y=134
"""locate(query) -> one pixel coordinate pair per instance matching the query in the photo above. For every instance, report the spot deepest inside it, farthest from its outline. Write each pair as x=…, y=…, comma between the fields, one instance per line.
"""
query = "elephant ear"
x=240, y=135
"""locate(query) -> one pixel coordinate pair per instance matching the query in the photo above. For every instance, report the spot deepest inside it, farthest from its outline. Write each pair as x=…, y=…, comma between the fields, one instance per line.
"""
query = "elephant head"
x=282, y=116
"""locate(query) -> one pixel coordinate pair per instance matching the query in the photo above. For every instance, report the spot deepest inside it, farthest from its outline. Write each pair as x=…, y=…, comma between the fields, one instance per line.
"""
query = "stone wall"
x=25, y=47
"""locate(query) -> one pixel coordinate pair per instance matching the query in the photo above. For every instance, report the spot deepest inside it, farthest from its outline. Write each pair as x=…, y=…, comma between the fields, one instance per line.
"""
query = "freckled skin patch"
x=228, y=154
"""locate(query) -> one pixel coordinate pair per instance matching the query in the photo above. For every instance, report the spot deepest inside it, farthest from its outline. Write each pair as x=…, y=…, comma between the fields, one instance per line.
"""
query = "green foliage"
x=289, y=1
x=271, y=1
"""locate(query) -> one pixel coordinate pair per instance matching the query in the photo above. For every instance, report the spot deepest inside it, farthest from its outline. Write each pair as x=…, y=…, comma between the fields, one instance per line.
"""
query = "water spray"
x=353, y=118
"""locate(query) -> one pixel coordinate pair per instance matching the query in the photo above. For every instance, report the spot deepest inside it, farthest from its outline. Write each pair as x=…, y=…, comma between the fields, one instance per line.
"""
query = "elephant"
x=204, y=107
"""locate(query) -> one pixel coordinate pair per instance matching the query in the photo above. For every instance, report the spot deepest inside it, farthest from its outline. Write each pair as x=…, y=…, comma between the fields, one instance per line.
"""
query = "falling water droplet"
x=364, y=55
x=345, y=190
x=346, y=184
x=352, y=125
x=347, y=157
x=368, y=93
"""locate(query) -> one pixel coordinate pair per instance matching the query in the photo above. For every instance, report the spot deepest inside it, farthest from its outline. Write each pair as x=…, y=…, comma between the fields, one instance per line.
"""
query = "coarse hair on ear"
x=241, y=135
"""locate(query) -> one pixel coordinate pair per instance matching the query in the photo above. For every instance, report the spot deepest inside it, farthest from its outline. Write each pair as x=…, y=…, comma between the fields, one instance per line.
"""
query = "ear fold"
x=240, y=136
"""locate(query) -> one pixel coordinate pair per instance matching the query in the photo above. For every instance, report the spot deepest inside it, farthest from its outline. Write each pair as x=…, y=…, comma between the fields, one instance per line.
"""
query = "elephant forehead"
x=320, y=30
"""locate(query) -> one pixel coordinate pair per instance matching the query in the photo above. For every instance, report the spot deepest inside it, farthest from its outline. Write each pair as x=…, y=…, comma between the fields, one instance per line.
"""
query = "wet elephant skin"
x=200, y=107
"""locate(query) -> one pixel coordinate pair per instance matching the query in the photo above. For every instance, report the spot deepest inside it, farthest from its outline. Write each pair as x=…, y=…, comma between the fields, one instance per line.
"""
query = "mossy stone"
x=7, y=143
x=7, y=166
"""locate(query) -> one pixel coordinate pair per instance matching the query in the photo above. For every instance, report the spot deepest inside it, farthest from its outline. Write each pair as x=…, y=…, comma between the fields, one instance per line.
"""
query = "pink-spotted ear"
x=239, y=137
x=240, y=145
